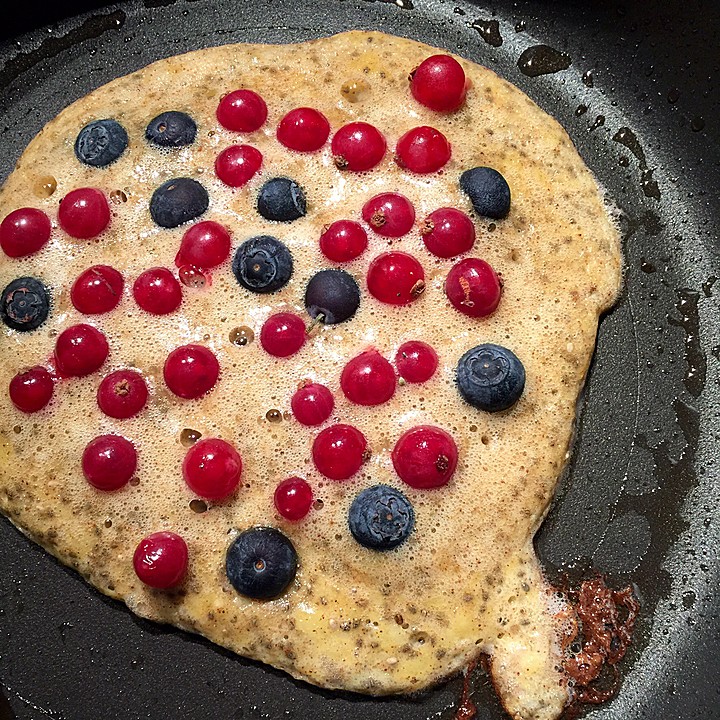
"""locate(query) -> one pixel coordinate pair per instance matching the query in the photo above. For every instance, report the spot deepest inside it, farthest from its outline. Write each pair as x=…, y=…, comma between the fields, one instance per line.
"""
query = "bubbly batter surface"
x=467, y=580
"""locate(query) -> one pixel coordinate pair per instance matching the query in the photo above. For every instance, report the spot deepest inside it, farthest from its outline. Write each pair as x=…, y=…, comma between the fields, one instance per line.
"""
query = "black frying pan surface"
x=640, y=499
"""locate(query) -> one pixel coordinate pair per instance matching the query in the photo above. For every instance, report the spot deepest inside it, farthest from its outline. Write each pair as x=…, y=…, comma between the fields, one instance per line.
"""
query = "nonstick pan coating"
x=640, y=500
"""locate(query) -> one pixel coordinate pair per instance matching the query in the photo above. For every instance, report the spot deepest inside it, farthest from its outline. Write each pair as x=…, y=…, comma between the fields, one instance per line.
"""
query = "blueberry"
x=171, y=129
x=488, y=191
x=261, y=562
x=101, y=142
x=281, y=199
x=381, y=517
x=334, y=294
x=177, y=201
x=25, y=304
x=490, y=377
x=262, y=264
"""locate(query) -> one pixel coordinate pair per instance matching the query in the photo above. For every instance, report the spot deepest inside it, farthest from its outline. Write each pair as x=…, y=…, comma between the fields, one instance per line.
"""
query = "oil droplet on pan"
x=707, y=286
x=543, y=60
x=625, y=136
x=402, y=4
x=649, y=185
x=489, y=31
x=647, y=267
x=695, y=357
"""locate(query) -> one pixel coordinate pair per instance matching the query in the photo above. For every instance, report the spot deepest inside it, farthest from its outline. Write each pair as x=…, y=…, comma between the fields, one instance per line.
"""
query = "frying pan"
x=639, y=499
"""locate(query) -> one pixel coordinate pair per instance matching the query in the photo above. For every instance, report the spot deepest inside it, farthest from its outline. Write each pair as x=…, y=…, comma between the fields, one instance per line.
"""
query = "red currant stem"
x=378, y=219
x=319, y=319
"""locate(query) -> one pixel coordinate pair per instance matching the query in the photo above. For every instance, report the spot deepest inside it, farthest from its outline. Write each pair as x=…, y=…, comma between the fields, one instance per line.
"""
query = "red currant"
x=84, y=213
x=242, y=111
x=161, y=560
x=422, y=150
x=109, y=461
x=122, y=394
x=24, y=232
x=473, y=287
x=339, y=451
x=368, y=379
x=389, y=214
x=425, y=457
x=80, y=350
x=343, y=240
x=236, y=165
x=212, y=469
x=190, y=371
x=204, y=245
x=396, y=278
x=439, y=83
x=157, y=291
x=282, y=334
x=97, y=290
x=303, y=129
x=448, y=232
x=31, y=390
x=416, y=361
x=293, y=498
x=312, y=404
x=358, y=146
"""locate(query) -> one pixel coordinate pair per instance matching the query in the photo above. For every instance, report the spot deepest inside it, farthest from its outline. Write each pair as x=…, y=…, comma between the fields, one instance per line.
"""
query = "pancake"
x=465, y=581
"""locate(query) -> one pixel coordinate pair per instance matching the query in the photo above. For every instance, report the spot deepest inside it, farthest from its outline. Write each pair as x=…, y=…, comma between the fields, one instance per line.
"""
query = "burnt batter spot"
x=467, y=710
x=607, y=620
